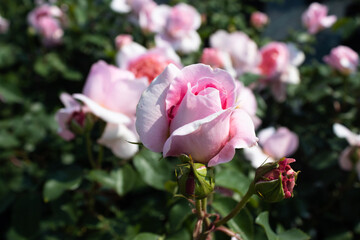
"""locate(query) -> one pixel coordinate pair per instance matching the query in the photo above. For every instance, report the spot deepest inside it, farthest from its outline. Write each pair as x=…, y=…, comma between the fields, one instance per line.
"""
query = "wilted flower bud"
x=275, y=181
x=195, y=180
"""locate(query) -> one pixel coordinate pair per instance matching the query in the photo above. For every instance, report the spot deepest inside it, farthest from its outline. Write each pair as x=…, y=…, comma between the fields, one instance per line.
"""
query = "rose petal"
x=101, y=112
x=242, y=135
x=117, y=138
x=202, y=139
x=152, y=123
x=342, y=132
x=194, y=107
x=256, y=156
x=281, y=144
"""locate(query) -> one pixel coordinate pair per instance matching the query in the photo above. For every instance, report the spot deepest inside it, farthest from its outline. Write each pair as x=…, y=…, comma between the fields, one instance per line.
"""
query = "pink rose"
x=112, y=94
x=275, y=144
x=278, y=67
x=350, y=157
x=217, y=58
x=343, y=59
x=193, y=111
x=315, y=18
x=72, y=110
x=180, y=30
x=259, y=19
x=122, y=40
x=242, y=50
x=143, y=62
x=274, y=59
x=47, y=21
x=153, y=17
x=4, y=25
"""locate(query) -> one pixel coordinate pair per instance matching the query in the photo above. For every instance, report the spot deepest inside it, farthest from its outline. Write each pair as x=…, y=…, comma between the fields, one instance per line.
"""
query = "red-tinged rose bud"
x=195, y=180
x=275, y=181
x=81, y=122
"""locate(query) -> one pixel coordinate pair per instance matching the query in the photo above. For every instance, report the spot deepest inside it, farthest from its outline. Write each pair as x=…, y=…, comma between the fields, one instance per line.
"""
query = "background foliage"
x=49, y=191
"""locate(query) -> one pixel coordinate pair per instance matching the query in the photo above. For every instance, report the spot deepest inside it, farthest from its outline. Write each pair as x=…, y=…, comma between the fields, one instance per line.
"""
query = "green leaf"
x=241, y=223
x=183, y=234
x=148, y=236
x=9, y=95
x=121, y=180
x=232, y=179
x=263, y=220
x=293, y=234
x=178, y=214
x=154, y=170
x=69, y=179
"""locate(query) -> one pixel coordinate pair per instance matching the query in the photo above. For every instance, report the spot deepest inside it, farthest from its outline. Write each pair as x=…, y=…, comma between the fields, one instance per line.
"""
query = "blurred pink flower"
x=350, y=157
x=47, y=21
x=278, y=67
x=112, y=94
x=343, y=59
x=180, y=30
x=125, y=6
x=315, y=18
x=4, y=25
x=72, y=110
x=192, y=111
x=243, y=51
x=217, y=58
x=143, y=62
x=153, y=17
x=122, y=40
x=259, y=19
x=274, y=145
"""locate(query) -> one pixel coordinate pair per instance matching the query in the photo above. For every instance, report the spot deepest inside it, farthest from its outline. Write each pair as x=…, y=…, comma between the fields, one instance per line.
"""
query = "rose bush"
x=192, y=111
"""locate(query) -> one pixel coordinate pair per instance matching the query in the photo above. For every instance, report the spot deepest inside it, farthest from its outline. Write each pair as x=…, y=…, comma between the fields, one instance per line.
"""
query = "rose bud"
x=195, y=180
x=275, y=181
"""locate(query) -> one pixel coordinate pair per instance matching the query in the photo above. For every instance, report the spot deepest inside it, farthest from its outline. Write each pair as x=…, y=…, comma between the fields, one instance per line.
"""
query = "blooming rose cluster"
x=174, y=26
x=48, y=22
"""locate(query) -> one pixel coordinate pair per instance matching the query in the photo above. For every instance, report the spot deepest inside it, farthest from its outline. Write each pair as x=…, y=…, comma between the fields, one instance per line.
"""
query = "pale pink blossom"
x=126, y=6
x=343, y=59
x=217, y=58
x=143, y=62
x=273, y=145
x=72, y=110
x=4, y=25
x=153, y=17
x=279, y=67
x=349, y=158
x=193, y=111
x=48, y=21
x=122, y=40
x=180, y=30
x=315, y=18
x=243, y=51
x=259, y=19
x=112, y=94
x=120, y=6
